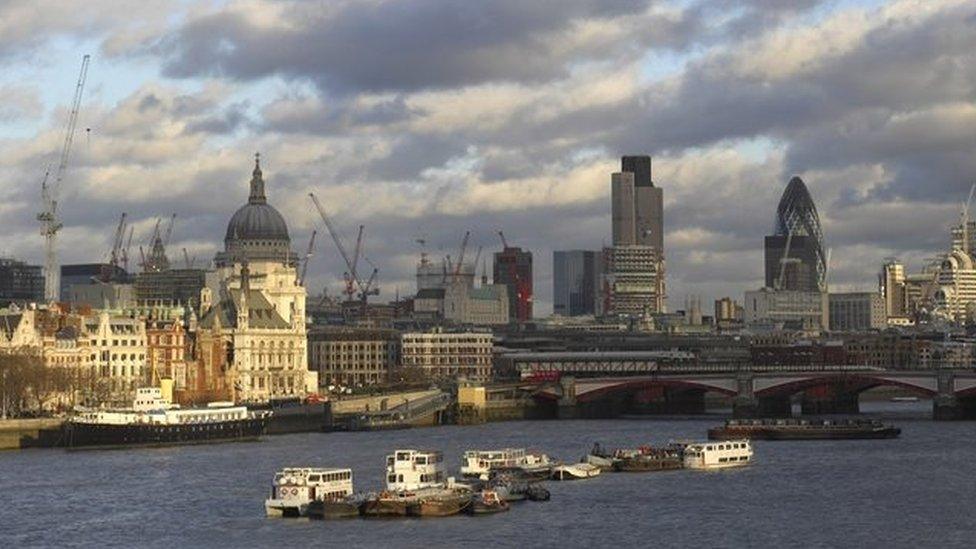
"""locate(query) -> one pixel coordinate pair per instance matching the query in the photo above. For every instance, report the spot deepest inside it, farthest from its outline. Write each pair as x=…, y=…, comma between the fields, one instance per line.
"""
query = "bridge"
x=754, y=391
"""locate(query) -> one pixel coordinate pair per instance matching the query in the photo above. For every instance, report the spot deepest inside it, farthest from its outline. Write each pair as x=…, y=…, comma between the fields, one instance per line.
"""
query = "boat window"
x=708, y=448
x=314, y=478
x=402, y=456
x=391, y=478
x=421, y=461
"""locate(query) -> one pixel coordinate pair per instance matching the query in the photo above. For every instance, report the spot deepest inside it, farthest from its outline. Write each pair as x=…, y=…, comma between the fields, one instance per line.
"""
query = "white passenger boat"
x=575, y=471
x=718, y=454
x=294, y=488
x=481, y=463
x=416, y=484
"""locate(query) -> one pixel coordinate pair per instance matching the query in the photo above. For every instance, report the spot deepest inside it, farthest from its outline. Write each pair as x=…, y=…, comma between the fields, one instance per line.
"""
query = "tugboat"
x=309, y=491
x=155, y=421
x=717, y=455
x=487, y=502
x=803, y=429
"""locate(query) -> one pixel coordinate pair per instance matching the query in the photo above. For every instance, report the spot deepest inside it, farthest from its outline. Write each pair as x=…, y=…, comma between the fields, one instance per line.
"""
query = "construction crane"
x=187, y=260
x=308, y=256
x=357, y=252
x=504, y=242
x=460, y=260
x=49, y=218
x=125, y=250
x=169, y=230
x=115, y=256
x=352, y=278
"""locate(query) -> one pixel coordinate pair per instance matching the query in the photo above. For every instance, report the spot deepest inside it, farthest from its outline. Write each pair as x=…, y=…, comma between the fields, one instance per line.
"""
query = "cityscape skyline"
x=166, y=135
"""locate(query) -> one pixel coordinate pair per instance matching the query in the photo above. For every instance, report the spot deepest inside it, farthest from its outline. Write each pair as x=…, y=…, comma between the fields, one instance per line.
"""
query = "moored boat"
x=487, y=502
x=528, y=466
x=718, y=454
x=574, y=471
x=334, y=509
x=439, y=503
x=803, y=429
x=294, y=489
x=647, y=458
x=155, y=421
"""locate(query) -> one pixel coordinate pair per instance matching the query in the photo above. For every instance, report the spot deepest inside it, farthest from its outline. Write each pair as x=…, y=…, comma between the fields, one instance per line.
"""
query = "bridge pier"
x=566, y=407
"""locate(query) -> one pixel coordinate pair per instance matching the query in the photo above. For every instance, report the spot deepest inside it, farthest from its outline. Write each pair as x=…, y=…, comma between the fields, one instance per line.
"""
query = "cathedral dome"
x=257, y=222
x=256, y=231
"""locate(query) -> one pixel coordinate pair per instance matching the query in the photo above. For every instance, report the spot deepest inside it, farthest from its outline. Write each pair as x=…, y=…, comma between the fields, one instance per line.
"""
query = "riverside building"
x=448, y=355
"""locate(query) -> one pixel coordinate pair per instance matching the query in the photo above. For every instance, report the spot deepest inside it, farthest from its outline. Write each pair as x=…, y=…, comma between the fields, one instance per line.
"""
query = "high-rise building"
x=891, y=285
x=20, y=282
x=794, y=254
x=633, y=279
x=513, y=268
x=576, y=281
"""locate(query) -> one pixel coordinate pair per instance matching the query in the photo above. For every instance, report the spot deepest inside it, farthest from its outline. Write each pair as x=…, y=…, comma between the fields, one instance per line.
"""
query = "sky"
x=422, y=119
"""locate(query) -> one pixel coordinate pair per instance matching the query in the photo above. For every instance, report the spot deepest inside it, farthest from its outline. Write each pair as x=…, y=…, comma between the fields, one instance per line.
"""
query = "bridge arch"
x=856, y=383
x=606, y=388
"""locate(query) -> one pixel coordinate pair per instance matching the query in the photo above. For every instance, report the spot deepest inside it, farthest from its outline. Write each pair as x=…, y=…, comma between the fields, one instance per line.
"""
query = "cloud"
x=420, y=117
x=418, y=44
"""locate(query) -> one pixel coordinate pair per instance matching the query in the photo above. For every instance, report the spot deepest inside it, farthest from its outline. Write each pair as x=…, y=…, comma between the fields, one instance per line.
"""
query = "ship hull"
x=644, y=465
x=95, y=435
x=771, y=433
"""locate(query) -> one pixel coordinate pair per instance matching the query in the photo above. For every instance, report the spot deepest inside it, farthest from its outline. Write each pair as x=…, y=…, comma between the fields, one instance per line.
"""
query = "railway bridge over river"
x=605, y=384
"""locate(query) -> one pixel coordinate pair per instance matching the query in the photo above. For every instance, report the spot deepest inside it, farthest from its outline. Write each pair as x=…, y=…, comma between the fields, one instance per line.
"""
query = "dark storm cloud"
x=408, y=44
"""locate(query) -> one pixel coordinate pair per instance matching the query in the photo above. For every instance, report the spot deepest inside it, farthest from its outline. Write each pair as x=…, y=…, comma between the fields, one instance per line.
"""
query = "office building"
x=20, y=283
x=633, y=277
x=856, y=311
x=446, y=355
x=347, y=356
x=576, y=278
x=512, y=268
x=795, y=259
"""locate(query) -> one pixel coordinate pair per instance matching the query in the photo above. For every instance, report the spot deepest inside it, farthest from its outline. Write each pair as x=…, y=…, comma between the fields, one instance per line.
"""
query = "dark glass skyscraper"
x=802, y=267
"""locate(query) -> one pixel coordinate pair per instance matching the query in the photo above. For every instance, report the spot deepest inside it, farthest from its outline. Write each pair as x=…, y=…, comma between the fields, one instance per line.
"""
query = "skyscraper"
x=512, y=267
x=575, y=281
x=633, y=281
x=794, y=254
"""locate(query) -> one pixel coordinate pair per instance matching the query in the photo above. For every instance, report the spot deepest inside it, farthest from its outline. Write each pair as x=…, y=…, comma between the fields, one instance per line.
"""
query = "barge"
x=803, y=429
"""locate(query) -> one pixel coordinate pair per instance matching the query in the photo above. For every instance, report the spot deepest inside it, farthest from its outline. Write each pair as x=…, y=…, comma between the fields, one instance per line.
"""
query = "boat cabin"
x=294, y=488
x=717, y=454
x=408, y=470
x=478, y=463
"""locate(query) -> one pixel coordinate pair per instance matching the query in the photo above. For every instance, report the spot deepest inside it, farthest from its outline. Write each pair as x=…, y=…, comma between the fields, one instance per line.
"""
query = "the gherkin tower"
x=802, y=267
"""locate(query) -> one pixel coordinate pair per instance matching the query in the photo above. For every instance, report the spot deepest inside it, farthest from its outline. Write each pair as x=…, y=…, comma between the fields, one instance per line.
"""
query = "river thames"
x=917, y=490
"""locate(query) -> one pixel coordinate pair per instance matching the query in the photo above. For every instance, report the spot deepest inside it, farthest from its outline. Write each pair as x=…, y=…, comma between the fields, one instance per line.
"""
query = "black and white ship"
x=153, y=420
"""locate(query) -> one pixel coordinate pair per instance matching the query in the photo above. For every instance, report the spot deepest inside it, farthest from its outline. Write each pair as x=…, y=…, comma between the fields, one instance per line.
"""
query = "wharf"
x=30, y=433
